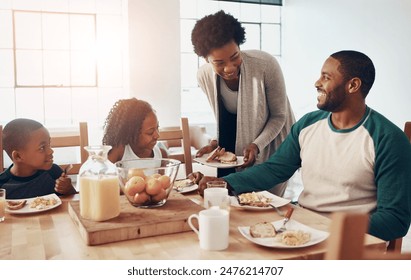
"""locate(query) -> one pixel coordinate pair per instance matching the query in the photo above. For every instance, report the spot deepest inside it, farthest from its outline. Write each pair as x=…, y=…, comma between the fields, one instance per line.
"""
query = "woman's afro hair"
x=214, y=31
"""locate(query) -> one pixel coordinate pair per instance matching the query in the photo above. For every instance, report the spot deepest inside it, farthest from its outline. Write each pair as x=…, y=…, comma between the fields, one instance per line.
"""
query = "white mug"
x=216, y=197
x=213, y=229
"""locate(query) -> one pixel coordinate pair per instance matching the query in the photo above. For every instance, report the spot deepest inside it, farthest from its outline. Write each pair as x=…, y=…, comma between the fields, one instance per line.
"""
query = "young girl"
x=131, y=128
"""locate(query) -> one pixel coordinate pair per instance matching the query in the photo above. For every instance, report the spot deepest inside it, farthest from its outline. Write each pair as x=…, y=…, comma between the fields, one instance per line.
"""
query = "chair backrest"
x=346, y=241
x=72, y=139
x=182, y=134
x=407, y=130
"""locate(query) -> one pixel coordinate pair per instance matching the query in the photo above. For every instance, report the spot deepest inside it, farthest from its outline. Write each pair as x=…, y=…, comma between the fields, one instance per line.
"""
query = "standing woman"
x=245, y=89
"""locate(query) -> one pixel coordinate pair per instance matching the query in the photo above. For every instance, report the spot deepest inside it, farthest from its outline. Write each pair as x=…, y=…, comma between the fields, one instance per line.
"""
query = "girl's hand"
x=195, y=177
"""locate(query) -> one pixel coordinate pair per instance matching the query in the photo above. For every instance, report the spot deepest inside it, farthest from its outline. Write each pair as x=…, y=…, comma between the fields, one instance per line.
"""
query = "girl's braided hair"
x=123, y=123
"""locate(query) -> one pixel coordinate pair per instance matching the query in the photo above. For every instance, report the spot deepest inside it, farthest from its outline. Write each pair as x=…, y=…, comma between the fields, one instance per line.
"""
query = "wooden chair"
x=182, y=134
x=346, y=241
x=407, y=130
x=72, y=139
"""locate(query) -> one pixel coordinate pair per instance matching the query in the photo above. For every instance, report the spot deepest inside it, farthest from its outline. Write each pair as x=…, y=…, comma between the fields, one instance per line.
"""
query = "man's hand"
x=202, y=185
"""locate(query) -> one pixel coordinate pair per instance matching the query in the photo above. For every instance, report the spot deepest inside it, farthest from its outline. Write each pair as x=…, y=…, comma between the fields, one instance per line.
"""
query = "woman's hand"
x=250, y=155
x=207, y=149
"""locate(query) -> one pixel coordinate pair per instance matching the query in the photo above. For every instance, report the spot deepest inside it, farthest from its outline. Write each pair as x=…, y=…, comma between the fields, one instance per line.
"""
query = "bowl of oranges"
x=147, y=182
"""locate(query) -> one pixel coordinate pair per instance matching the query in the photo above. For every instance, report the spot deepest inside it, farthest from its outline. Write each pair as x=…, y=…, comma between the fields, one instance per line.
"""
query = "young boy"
x=32, y=173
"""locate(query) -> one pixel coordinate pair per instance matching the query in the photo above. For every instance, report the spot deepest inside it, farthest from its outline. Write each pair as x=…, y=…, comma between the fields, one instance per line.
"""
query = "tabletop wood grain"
x=54, y=235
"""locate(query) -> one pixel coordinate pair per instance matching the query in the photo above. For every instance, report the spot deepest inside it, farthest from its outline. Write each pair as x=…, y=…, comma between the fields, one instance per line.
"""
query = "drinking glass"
x=2, y=204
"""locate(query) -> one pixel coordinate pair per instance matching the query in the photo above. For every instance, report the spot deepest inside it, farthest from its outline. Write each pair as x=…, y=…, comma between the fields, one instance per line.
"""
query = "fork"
x=279, y=212
x=68, y=168
x=286, y=219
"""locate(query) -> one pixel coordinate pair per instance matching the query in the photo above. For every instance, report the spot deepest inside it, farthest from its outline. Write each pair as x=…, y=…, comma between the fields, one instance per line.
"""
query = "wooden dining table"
x=54, y=235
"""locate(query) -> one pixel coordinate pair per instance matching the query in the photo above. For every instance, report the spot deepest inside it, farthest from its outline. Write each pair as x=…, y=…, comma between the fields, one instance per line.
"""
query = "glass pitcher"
x=98, y=186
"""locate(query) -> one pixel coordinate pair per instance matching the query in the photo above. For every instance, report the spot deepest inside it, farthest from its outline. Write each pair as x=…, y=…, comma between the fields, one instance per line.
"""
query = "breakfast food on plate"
x=16, y=204
x=288, y=237
x=42, y=202
x=294, y=237
x=228, y=157
x=221, y=155
x=254, y=199
x=181, y=184
x=262, y=230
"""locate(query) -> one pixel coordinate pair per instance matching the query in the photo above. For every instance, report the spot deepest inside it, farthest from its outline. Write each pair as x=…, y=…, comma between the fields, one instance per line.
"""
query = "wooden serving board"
x=133, y=223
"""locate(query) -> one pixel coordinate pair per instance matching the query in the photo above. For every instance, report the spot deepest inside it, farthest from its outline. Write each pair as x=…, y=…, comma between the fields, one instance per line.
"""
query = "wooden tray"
x=133, y=223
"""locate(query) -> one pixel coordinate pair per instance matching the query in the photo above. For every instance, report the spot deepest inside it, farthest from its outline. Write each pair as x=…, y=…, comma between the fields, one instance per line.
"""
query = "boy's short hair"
x=17, y=133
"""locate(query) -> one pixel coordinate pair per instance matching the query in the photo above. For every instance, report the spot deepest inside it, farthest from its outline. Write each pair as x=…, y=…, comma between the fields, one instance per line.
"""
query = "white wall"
x=154, y=56
x=312, y=30
x=381, y=29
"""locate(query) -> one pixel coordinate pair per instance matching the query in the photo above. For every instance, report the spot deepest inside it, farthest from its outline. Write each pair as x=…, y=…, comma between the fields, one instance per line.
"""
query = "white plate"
x=184, y=186
x=28, y=210
x=217, y=164
x=317, y=236
x=275, y=200
x=187, y=189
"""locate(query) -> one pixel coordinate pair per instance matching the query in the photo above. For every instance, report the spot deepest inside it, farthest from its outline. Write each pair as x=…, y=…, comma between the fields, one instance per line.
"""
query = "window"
x=262, y=24
x=54, y=49
x=62, y=61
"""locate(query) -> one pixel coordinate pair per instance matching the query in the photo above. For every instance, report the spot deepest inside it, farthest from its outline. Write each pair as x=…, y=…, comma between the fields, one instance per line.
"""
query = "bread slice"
x=16, y=204
x=262, y=230
x=228, y=157
x=215, y=153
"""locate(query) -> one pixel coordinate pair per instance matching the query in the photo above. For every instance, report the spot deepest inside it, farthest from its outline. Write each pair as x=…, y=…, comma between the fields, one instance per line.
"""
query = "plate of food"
x=297, y=235
x=258, y=201
x=185, y=186
x=220, y=158
x=32, y=205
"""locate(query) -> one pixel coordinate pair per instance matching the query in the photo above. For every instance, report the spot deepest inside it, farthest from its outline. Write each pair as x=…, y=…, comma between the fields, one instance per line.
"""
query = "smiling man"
x=351, y=157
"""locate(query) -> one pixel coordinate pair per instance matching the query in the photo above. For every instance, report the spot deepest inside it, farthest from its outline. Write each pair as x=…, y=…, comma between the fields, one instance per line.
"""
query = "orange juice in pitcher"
x=99, y=187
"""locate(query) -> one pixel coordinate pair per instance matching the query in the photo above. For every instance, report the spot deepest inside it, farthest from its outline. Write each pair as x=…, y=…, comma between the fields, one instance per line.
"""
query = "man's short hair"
x=356, y=64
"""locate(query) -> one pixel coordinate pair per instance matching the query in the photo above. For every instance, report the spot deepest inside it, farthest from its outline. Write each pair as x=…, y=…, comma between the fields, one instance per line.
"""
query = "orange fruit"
x=160, y=196
x=142, y=197
x=135, y=184
x=165, y=181
x=153, y=186
x=136, y=172
x=155, y=176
